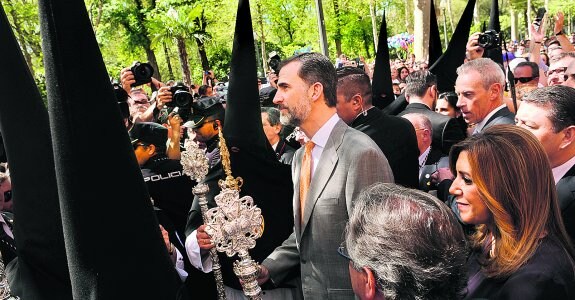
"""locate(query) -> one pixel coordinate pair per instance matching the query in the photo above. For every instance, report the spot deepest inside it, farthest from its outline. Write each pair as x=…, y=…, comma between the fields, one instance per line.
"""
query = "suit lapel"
x=323, y=171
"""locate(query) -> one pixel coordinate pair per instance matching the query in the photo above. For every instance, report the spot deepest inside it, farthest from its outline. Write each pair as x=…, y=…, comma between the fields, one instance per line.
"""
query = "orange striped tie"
x=305, y=176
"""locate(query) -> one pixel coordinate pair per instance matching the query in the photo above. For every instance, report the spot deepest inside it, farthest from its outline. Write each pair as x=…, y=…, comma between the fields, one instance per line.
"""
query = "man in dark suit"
x=428, y=156
x=480, y=85
x=272, y=129
x=549, y=113
x=421, y=92
x=394, y=136
x=328, y=173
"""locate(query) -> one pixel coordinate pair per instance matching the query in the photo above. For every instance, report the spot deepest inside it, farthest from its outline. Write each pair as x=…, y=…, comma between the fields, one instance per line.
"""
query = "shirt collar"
x=560, y=171
x=423, y=157
x=321, y=136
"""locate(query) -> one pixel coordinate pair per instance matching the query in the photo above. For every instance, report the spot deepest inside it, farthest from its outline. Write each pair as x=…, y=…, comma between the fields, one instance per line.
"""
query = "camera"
x=181, y=96
x=274, y=61
x=143, y=73
x=489, y=39
x=122, y=99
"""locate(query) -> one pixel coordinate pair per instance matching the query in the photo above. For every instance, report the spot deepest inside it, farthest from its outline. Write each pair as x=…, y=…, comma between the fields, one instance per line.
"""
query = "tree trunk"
x=201, y=24
x=450, y=16
x=152, y=60
x=146, y=43
x=514, y=24
x=421, y=28
x=168, y=61
x=262, y=38
x=203, y=55
x=526, y=25
x=373, y=24
x=366, y=43
x=476, y=13
x=408, y=26
x=337, y=35
x=183, y=56
x=529, y=21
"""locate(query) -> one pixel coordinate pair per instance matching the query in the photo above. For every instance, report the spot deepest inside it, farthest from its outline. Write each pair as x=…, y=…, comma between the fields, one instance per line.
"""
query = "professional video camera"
x=274, y=61
x=489, y=39
x=143, y=73
x=181, y=96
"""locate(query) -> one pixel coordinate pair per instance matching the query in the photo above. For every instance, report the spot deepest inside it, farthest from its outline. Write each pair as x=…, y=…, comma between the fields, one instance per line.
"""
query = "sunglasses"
x=523, y=79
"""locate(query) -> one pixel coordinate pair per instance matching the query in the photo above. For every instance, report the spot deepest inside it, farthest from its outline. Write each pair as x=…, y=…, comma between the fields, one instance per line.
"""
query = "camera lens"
x=144, y=71
x=183, y=99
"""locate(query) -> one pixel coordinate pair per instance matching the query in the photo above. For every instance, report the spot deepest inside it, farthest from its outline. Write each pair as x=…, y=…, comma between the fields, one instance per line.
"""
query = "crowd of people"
x=462, y=194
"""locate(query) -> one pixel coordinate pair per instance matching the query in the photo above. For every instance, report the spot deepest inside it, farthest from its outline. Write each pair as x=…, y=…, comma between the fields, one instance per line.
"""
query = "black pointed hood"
x=446, y=66
x=495, y=54
x=382, y=88
x=114, y=246
x=435, y=49
x=243, y=115
x=252, y=158
x=494, y=16
x=42, y=267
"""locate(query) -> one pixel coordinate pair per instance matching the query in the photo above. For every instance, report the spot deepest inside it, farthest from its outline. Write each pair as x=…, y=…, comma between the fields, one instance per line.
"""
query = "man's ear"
x=370, y=283
x=568, y=137
x=151, y=149
x=357, y=101
x=316, y=91
x=495, y=91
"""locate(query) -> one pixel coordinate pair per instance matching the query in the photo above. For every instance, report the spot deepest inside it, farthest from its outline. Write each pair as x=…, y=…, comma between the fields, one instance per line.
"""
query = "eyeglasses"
x=523, y=79
x=7, y=196
x=136, y=145
x=342, y=250
x=557, y=71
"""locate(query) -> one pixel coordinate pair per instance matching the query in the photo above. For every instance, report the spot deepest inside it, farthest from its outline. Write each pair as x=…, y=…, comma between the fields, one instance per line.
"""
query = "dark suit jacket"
x=446, y=130
x=547, y=275
x=502, y=116
x=284, y=152
x=396, y=138
x=566, y=196
x=431, y=165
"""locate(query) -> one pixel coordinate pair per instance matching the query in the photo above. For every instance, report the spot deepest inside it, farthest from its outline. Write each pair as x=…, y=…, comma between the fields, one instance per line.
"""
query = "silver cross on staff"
x=195, y=165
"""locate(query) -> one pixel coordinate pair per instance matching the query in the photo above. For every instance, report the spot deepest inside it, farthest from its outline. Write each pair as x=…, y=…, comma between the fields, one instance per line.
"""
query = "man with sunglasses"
x=526, y=73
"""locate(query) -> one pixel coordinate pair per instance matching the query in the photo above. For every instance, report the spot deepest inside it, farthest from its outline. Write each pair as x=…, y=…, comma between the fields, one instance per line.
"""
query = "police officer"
x=168, y=186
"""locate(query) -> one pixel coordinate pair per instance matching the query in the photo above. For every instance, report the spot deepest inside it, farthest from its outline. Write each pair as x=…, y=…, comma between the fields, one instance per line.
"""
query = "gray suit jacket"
x=350, y=162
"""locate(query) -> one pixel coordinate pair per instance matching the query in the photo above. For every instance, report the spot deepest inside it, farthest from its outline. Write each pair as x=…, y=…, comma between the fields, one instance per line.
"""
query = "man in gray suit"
x=480, y=84
x=343, y=162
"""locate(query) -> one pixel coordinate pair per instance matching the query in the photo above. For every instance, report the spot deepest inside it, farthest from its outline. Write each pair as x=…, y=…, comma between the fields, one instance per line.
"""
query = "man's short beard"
x=297, y=116
x=288, y=119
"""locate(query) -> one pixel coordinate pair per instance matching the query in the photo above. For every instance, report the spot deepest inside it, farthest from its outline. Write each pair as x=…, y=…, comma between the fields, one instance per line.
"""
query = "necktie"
x=305, y=176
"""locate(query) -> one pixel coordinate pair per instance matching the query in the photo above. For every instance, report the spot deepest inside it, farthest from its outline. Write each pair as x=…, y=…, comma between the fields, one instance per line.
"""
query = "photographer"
x=209, y=78
x=142, y=109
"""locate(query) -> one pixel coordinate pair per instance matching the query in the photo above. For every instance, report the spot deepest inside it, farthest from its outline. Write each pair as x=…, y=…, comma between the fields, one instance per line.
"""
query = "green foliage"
x=125, y=27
